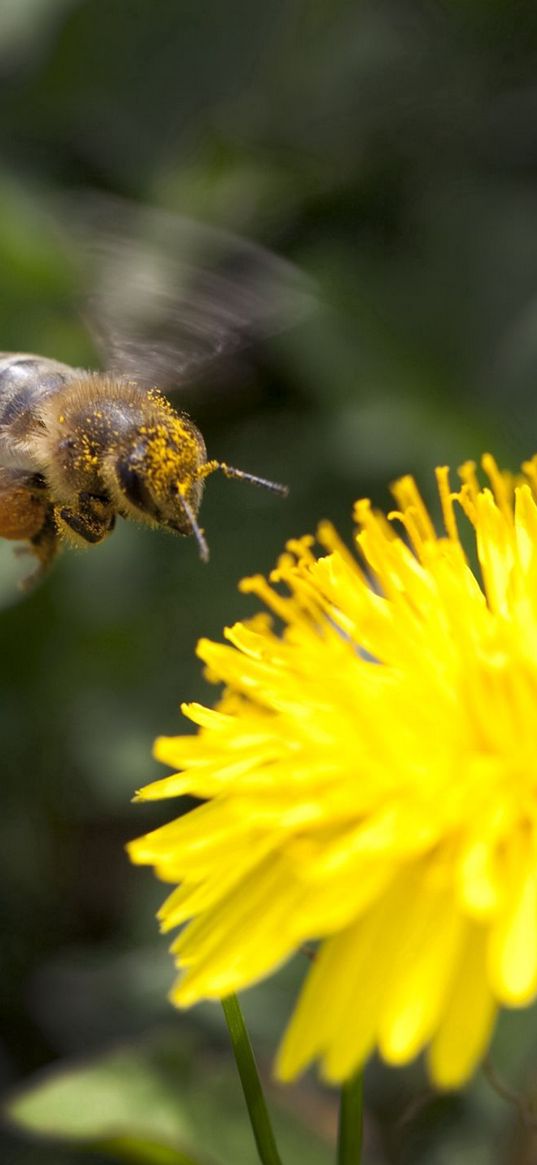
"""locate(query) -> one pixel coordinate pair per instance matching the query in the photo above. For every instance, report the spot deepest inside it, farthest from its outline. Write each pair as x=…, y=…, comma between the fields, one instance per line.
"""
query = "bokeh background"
x=389, y=148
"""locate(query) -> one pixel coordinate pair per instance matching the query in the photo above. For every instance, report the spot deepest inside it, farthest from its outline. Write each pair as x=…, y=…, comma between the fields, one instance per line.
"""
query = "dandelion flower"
x=368, y=781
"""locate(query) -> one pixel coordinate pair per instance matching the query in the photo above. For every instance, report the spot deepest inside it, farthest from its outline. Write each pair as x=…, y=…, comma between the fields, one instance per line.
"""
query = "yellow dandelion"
x=369, y=781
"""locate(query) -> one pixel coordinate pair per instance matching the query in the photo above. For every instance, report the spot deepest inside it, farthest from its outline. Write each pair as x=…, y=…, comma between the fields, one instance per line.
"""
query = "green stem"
x=351, y=1120
x=251, y=1084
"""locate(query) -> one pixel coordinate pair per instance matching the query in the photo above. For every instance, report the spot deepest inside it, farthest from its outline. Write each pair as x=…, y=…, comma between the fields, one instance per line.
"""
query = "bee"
x=80, y=448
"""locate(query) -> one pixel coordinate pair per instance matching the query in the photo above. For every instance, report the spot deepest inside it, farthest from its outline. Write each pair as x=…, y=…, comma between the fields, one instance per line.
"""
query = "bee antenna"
x=196, y=529
x=230, y=471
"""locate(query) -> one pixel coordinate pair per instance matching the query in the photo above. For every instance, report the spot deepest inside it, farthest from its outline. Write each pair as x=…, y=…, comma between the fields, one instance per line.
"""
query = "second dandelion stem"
x=350, y=1132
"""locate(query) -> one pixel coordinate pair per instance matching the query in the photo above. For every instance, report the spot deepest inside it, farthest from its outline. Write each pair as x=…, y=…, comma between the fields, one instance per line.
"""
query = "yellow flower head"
x=369, y=780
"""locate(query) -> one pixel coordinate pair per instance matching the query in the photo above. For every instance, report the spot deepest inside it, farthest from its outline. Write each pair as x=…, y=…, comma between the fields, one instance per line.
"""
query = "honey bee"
x=80, y=448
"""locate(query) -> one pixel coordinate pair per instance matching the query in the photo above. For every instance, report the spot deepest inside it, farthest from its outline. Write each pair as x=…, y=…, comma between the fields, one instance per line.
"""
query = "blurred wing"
x=171, y=295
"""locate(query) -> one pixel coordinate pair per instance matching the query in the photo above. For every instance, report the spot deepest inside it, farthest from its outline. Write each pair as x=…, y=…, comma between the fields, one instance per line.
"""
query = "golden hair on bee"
x=78, y=448
x=86, y=448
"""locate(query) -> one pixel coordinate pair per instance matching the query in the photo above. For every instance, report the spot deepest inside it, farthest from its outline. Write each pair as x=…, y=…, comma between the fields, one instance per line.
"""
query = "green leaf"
x=138, y=1152
x=161, y=1101
x=132, y=1103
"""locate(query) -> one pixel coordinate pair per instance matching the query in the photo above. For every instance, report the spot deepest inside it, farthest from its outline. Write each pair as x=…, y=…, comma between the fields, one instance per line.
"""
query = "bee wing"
x=171, y=295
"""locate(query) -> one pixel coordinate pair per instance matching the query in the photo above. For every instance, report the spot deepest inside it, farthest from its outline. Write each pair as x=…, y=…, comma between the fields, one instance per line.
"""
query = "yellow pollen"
x=171, y=454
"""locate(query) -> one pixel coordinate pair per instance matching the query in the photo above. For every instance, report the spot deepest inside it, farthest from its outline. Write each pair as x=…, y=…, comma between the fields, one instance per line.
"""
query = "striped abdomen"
x=25, y=381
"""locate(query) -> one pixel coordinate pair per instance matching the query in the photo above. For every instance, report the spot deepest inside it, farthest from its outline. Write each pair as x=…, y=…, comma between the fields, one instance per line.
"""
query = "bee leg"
x=91, y=522
x=26, y=516
x=44, y=546
x=23, y=507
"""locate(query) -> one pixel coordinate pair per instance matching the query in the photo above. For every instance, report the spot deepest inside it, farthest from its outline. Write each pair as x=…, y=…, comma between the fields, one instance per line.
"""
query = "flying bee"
x=80, y=448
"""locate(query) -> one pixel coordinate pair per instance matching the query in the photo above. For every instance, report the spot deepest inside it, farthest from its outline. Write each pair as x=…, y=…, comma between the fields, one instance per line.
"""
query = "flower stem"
x=251, y=1084
x=350, y=1132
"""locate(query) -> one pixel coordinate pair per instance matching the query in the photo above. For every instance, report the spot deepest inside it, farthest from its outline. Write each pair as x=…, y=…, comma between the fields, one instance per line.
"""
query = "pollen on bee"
x=87, y=454
x=172, y=454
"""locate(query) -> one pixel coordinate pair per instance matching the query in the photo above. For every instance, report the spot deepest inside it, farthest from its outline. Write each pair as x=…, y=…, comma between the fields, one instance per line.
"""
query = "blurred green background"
x=389, y=148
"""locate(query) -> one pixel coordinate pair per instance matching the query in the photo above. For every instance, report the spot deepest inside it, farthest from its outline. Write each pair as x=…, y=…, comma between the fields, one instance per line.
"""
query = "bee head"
x=157, y=472
x=155, y=475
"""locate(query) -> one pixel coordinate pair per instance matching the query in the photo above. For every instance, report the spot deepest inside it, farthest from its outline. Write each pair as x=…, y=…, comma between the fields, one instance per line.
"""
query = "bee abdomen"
x=25, y=381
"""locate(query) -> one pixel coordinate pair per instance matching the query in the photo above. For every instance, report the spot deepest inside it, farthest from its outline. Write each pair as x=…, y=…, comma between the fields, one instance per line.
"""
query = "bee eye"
x=133, y=486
